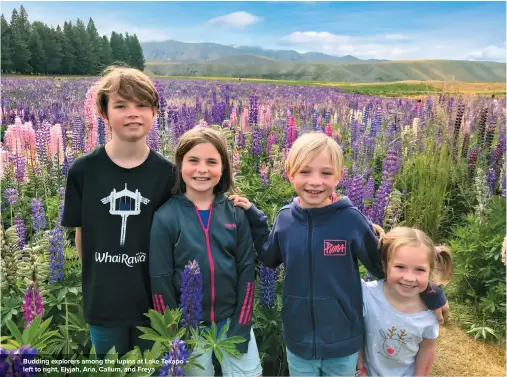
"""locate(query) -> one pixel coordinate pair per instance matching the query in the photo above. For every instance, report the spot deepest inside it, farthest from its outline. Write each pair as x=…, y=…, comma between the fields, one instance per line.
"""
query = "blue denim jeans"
x=340, y=366
x=123, y=338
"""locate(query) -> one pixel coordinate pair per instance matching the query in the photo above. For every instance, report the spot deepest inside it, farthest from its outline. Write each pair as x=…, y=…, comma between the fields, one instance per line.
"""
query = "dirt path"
x=460, y=355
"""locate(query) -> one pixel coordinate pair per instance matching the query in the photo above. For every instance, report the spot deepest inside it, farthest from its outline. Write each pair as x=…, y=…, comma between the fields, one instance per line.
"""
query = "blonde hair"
x=307, y=147
x=440, y=257
x=129, y=83
x=202, y=135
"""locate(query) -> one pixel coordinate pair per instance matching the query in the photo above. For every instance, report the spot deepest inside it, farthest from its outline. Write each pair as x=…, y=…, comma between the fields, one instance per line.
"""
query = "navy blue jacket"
x=322, y=298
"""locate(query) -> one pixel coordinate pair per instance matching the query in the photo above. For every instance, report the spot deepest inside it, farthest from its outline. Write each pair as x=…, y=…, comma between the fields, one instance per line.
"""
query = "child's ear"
x=291, y=178
x=102, y=115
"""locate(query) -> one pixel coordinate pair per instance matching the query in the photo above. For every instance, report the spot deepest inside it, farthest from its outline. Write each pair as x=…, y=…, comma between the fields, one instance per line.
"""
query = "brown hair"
x=200, y=135
x=129, y=83
x=440, y=257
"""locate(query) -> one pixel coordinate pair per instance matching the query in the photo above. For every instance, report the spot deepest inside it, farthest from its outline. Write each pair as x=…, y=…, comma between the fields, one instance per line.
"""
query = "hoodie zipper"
x=210, y=259
x=310, y=267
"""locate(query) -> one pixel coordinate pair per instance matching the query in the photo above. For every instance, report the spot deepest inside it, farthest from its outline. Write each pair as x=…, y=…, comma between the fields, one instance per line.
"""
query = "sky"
x=457, y=30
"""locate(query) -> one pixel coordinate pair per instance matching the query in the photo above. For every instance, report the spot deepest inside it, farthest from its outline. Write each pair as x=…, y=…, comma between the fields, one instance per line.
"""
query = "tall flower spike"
x=175, y=359
x=267, y=287
x=191, y=295
x=32, y=304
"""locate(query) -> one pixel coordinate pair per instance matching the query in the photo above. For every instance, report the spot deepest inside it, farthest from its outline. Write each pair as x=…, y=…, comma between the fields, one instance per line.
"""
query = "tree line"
x=35, y=48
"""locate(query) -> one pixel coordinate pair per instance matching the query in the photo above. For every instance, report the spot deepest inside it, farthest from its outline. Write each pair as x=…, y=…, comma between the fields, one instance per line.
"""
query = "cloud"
x=366, y=47
x=392, y=46
x=491, y=52
x=395, y=36
x=236, y=19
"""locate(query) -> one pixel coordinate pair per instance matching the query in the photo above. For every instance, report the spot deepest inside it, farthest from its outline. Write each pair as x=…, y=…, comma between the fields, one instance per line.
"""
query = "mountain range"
x=171, y=50
x=173, y=58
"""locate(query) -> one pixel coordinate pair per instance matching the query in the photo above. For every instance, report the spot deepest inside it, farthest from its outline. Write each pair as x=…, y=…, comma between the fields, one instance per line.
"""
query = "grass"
x=458, y=354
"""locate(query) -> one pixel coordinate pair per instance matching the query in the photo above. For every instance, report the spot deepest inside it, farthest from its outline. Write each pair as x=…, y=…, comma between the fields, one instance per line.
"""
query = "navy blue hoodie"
x=322, y=298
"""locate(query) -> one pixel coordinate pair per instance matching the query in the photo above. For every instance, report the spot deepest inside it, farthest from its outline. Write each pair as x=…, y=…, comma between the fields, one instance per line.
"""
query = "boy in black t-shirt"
x=112, y=193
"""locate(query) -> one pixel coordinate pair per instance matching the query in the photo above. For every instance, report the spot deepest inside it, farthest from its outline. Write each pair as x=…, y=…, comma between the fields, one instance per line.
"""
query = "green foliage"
x=479, y=274
x=426, y=178
x=75, y=50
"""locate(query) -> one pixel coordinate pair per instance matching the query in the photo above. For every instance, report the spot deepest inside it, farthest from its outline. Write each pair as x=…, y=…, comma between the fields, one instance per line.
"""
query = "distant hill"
x=171, y=50
x=254, y=66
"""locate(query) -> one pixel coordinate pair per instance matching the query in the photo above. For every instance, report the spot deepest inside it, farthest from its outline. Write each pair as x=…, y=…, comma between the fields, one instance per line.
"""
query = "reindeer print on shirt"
x=393, y=342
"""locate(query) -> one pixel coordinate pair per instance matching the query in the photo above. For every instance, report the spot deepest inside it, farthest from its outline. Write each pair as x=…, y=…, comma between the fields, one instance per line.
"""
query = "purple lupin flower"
x=354, y=191
x=344, y=182
x=153, y=136
x=175, y=359
x=256, y=143
x=42, y=137
x=14, y=362
x=20, y=231
x=253, y=112
x=191, y=295
x=504, y=184
x=32, y=304
x=381, y=201
x=77, y=125
x=267, y=287
x=11, y=196
x=369, y=192
x=491, y=180
x=472, y=161
x=39, y=220
x=271, y=141
x=241, y=139
x=20, y=165
x=56, y=253
x=101, y=131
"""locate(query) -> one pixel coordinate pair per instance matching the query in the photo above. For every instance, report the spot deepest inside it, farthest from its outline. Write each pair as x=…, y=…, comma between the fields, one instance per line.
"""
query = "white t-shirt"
x=391, y=337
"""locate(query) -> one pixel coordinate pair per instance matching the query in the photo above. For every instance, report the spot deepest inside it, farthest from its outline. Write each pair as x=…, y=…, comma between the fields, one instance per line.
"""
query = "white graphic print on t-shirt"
x=124, y=203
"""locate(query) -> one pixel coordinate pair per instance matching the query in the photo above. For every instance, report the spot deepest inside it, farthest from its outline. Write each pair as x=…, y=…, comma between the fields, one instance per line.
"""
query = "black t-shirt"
x=114, y=206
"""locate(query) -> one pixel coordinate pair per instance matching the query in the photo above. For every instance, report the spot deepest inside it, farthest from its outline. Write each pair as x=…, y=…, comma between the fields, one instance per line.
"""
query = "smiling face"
x=408, y=270
x=130, y=120
x=201, y=169
x=316, y=181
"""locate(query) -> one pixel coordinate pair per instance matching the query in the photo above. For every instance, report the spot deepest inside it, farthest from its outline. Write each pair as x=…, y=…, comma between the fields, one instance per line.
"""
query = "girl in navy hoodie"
x=200, y=223
x=320, y=237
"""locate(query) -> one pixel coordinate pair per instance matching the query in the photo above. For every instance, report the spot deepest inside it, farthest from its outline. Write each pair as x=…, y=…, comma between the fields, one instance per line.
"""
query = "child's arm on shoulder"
x=161, y=262
x=434, y=298
x=265, y=241
x=241, y=321
x=425, y=357
x=368, y=252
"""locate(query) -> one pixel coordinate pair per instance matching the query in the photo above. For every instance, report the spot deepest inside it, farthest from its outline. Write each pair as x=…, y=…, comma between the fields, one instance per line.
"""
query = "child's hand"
x=241, y=202
x=379, y=231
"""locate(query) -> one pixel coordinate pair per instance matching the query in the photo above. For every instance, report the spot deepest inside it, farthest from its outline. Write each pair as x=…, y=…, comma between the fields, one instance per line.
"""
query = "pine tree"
x=7, y=65
x=136, y=53
x=96, y=46
x=38, y=57
x=20, y=53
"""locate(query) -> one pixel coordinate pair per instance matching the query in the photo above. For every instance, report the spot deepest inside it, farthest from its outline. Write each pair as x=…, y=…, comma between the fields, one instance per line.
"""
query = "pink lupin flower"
x=55, y=146
x=91, y=120
x=244, y=121
x=329, y=130
x=32, y=304
x=234, y=118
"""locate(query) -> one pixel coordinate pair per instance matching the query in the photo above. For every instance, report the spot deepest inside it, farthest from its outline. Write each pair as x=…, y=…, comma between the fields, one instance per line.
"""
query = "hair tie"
x=438, y=250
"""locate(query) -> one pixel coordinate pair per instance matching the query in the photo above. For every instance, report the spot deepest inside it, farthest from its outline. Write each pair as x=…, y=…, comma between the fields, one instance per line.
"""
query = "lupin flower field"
x=437, y=163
